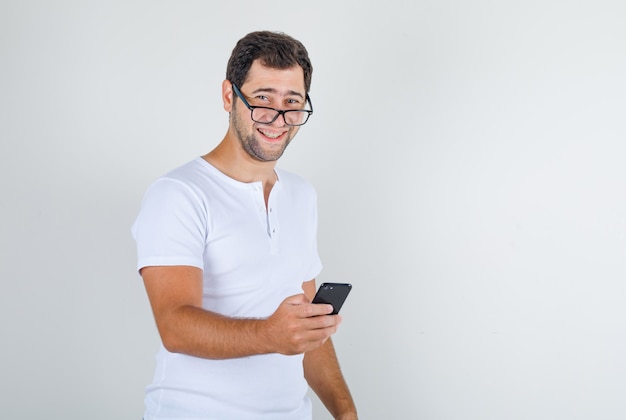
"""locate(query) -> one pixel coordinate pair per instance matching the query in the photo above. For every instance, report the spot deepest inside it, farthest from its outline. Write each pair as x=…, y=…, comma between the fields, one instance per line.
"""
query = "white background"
x=469, y=158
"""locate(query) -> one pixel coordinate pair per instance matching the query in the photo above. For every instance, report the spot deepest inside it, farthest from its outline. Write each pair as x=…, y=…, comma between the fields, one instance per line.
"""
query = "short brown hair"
x=275, y=50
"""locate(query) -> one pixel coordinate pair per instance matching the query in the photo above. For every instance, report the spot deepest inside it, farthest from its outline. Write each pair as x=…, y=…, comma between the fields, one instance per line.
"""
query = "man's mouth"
x=270, y=134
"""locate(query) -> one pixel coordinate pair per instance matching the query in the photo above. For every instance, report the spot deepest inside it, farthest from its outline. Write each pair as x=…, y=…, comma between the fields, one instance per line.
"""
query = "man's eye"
x=262, y=98
x=293, y=103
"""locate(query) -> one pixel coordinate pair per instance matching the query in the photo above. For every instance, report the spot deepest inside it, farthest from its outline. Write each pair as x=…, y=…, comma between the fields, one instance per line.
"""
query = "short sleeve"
x=170, y=228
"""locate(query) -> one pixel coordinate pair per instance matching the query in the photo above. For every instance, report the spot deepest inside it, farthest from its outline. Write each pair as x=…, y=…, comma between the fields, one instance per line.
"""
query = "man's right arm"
x=175, y=294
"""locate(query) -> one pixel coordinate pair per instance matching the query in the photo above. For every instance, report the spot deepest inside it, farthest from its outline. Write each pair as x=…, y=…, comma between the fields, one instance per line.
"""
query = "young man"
x=228, y=253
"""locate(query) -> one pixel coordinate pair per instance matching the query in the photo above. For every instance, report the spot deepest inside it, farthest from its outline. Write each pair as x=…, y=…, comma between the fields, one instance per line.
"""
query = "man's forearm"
x=200, y=333
x=324, y=376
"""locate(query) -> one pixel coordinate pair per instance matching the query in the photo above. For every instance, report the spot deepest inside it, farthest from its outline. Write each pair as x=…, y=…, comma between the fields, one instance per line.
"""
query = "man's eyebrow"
x=275, y=91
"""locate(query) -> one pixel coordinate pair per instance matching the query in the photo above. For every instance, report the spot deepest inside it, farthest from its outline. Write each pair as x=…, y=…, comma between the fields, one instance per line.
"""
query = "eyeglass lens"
x=292, y=117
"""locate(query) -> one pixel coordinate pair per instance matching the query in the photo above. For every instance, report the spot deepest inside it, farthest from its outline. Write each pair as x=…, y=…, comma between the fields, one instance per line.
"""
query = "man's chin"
x=265, y=155
x=268, y=154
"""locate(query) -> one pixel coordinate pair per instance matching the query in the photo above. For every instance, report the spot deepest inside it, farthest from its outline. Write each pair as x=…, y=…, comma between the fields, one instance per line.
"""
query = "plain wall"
x=469, y=159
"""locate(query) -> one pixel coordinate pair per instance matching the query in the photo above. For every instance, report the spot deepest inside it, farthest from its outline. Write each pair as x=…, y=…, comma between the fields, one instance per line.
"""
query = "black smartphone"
x=334, y=294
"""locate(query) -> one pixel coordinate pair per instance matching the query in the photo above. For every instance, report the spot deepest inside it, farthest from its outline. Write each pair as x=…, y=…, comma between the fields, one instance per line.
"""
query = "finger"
x=316, y=309
x=325, y=321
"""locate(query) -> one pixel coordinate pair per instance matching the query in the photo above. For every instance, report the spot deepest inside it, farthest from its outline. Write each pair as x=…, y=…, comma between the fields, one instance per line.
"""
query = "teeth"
x=271, y=135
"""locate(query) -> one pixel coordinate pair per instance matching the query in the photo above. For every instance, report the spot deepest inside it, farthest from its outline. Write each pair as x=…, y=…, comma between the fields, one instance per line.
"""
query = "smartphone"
x=334, y=294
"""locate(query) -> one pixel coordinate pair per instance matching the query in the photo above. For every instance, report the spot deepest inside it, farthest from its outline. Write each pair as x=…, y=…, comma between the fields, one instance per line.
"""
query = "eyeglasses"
x=265, y=115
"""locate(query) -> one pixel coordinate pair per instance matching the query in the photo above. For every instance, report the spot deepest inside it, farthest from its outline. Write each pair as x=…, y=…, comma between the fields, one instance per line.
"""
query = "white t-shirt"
x=252, y=258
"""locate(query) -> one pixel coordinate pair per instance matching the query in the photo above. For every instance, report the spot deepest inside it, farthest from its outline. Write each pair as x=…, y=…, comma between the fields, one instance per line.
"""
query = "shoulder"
x=184, y=183
x=190, y=173
x=193, y=176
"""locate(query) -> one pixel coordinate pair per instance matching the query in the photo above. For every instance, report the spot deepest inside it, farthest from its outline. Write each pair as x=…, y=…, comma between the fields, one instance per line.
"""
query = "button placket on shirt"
x=267, y=214
x=272, y=224
x=273, y=228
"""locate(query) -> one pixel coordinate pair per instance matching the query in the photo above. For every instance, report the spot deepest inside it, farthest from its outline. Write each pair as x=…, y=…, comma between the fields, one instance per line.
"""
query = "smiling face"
x=272, y=88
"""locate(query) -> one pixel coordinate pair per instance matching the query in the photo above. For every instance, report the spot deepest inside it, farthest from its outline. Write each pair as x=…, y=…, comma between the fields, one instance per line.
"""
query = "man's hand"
x=298, y=326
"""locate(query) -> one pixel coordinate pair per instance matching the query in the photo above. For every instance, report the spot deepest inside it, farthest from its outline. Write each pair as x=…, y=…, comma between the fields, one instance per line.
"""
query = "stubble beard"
x=252, y=146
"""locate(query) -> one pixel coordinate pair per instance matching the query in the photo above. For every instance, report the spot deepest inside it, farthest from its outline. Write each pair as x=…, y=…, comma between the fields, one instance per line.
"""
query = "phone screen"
x=334, y=294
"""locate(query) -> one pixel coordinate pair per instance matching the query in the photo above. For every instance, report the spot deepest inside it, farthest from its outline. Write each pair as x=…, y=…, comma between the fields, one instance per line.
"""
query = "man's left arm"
x=322, y=372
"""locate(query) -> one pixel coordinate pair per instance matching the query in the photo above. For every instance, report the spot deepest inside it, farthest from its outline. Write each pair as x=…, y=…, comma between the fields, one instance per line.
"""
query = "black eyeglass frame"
x=278, y=111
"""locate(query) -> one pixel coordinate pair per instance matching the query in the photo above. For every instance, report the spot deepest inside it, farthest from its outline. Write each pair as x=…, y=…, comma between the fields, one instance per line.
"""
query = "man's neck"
x=237, y=164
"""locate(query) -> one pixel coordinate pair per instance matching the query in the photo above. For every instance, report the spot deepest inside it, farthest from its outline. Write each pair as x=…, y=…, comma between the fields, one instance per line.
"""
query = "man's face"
x=279, y=89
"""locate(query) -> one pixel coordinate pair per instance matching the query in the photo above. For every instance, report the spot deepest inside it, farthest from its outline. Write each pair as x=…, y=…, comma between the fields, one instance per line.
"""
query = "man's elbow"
x=172, y=335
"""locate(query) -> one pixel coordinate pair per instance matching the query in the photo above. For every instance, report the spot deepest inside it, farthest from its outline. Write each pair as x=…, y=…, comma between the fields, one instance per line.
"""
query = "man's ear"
x=227, y=95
